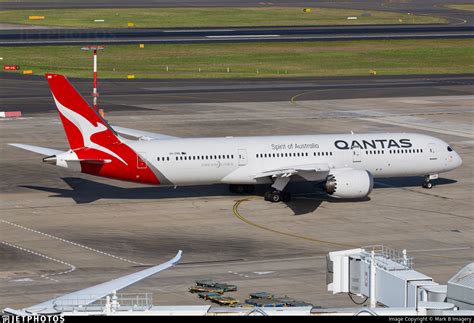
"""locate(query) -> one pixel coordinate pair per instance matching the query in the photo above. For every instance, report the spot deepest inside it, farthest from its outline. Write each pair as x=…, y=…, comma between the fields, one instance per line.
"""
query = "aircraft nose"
x=457, y=160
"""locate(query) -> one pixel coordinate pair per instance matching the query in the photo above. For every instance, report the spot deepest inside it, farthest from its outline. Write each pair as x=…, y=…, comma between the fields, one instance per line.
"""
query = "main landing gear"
x=427, y=181
x=277, y=196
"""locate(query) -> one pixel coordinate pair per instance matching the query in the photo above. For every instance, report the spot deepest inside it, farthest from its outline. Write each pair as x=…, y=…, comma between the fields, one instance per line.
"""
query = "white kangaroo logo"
x=86, y=128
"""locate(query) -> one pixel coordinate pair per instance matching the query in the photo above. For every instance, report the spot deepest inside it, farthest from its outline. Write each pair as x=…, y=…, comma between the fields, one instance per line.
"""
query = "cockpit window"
x=450, y=149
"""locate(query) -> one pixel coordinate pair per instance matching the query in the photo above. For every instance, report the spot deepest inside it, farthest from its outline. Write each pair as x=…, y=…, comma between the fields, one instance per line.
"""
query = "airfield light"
x=95, y=94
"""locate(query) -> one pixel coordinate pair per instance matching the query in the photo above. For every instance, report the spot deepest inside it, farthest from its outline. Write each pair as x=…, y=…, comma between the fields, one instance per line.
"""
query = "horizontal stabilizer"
x=38, y=150
x=95, y=161
x=143, y=135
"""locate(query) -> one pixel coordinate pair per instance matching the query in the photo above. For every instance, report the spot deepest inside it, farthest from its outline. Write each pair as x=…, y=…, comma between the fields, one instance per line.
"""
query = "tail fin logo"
x=86, y=128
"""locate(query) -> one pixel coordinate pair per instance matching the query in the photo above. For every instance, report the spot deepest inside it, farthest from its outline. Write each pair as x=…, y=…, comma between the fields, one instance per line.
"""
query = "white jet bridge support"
x=386, y=277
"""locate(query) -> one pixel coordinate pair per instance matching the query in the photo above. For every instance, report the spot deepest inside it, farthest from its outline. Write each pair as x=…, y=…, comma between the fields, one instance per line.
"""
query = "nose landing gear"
x=427, y=181
x=427, y=184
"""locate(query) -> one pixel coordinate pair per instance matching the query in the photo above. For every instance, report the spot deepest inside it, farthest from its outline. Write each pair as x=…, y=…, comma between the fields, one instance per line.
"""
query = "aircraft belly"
x=196, y=175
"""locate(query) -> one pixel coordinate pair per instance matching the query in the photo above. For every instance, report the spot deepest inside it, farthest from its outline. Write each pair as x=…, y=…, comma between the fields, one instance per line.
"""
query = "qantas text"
x=373, y=144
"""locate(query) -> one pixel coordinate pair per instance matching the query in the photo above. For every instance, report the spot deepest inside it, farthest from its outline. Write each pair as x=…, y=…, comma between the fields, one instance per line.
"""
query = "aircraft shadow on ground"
x=307, y=197
x=411, y=181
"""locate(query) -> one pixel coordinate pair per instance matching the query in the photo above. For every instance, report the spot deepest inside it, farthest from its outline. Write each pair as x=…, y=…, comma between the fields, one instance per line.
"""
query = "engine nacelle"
x=349, y=183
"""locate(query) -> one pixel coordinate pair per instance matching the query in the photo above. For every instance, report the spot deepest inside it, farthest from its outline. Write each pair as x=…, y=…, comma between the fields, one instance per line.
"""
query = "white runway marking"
x=401, y=123
x=72, y=243
x=263, y=272
x=23, y=280
x=47, y=276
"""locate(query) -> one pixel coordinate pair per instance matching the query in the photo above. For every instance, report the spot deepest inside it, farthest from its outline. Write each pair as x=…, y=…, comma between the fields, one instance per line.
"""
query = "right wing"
x=91, y=294
x=309, y=172
x=281, y=176
x=141, y=135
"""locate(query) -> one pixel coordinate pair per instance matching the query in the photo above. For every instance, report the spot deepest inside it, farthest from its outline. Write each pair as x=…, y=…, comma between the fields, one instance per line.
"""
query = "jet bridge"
x=386, y=277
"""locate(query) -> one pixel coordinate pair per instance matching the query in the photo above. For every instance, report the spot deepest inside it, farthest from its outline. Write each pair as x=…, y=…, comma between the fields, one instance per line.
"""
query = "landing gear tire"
x=428, y=185
x=267, y=195
x=277, y=196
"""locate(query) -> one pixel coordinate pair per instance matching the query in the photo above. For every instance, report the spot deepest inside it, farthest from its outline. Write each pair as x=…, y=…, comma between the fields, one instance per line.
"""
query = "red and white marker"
x=10, y=114
x=95, y=93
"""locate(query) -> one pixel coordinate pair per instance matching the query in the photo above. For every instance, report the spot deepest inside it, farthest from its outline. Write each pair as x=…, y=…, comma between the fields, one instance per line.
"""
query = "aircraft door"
x=242, y=154
x=141, y=161
x=356, y=158
x=432, y=148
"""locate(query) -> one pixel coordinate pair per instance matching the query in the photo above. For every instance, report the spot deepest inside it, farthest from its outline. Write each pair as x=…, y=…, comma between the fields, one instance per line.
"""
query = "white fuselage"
x=238, y=160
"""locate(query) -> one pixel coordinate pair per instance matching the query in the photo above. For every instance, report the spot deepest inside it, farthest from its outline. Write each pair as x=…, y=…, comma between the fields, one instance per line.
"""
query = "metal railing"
x=115, y=302
x=387, y=258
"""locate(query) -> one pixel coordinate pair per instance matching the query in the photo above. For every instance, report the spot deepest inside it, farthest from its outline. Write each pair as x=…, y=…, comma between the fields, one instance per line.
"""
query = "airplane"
x=346, y=164
x=87, y=296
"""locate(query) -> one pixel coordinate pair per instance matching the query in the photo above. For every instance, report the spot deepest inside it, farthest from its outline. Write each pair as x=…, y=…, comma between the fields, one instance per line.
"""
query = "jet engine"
x=349, y=183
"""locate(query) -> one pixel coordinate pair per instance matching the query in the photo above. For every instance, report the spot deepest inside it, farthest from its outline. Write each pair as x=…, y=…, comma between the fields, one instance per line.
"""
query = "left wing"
x=91, y=294
x=141, y=135
x=309, y=172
